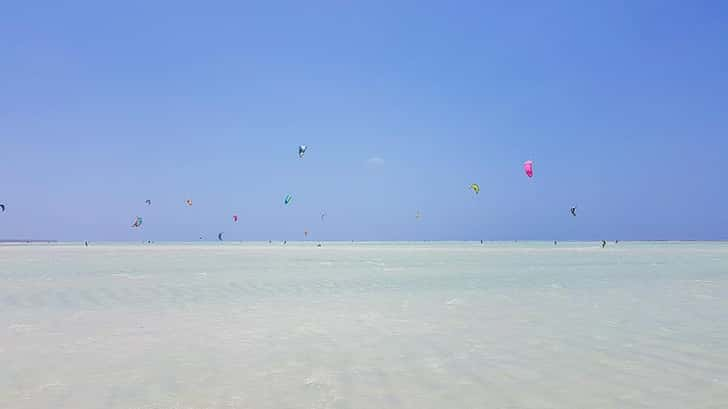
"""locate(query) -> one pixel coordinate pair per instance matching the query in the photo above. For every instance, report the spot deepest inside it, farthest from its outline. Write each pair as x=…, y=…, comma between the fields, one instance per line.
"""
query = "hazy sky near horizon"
x=621, y=105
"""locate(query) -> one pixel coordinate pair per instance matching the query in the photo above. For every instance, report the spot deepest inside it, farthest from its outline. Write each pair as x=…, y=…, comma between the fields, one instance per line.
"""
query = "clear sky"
x=622, y=105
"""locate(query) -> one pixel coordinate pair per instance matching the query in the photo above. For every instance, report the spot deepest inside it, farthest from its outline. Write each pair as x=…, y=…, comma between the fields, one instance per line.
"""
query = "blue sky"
x=621, y=105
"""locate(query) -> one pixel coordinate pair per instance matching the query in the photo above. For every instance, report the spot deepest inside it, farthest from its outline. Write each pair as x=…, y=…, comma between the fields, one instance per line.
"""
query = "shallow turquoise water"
x=359, y=325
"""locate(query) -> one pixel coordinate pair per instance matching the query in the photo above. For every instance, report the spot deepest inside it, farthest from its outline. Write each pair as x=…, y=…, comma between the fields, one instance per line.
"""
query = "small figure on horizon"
x=85, y=243
x=604, y=243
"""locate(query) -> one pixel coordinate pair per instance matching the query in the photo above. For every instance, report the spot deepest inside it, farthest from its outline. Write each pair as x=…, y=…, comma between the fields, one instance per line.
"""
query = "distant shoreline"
x=29, y=241
x=35, y=241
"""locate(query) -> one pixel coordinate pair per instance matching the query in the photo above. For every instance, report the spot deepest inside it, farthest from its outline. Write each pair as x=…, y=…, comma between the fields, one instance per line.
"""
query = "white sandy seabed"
x=377, y=325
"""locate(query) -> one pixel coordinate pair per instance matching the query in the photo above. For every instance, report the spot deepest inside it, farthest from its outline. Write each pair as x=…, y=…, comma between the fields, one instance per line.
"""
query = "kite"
x=188, y=202
x=235, y=218
x=301, y=151
x=573, y=211
x=475, y=187
x=287, y=199
x=528, y=168
x=137, y=222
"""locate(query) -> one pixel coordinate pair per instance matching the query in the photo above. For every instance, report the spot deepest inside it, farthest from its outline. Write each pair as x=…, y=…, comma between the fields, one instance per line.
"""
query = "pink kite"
x=528, y=167
x=235, y=218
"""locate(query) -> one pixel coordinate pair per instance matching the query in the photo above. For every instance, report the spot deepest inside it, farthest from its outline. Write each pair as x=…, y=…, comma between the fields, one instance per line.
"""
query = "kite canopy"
x=287, y=199
x=235, y=218
x=301, y=151
x=305, y=233
x=148, y=202
x=528, y=168
x=475, y=187
x=323, y=215
x=573, y=211
x=137, y=222
x=2, y=207
x=188, y=202
x=219, y=236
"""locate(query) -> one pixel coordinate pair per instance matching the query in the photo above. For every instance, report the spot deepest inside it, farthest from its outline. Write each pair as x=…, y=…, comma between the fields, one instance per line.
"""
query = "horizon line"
x=36, y=241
